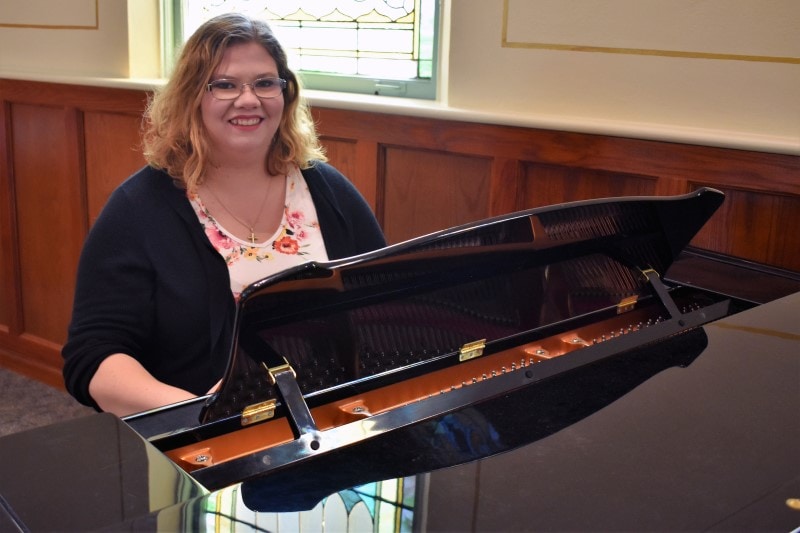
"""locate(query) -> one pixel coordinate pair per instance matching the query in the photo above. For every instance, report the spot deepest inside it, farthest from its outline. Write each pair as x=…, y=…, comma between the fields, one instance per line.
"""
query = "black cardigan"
x=151, y=285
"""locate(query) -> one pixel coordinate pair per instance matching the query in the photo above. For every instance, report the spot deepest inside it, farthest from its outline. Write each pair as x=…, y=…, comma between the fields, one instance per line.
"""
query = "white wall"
x=64, y=37
x=504, y=64
x=707, y=88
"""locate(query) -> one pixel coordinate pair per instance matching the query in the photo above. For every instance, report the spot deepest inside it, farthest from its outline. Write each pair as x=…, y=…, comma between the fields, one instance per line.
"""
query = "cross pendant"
x=252, y=237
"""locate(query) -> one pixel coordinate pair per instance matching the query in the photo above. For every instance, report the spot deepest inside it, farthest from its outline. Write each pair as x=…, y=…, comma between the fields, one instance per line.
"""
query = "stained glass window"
x=371, y=46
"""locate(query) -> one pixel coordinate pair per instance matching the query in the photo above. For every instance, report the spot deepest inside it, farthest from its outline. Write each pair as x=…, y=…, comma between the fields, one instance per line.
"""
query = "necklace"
x=250, y=227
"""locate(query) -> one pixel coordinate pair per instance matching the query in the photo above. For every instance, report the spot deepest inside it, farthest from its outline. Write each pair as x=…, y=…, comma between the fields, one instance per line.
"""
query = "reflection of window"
x=381, y=506
x=383, y=47
x=390, y=503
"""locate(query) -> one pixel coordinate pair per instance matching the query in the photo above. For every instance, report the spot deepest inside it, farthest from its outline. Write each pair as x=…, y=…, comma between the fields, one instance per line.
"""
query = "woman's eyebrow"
x=270, y=74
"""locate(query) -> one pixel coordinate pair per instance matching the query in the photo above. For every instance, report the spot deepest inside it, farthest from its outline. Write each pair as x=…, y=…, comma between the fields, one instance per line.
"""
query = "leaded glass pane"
x=378, y=38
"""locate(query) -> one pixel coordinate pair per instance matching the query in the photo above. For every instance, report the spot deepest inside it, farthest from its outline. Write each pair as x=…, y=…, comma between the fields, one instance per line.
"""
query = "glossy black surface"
x=596, y=375
x=712, y=446
x=85, y=474
x=688, y=424
x=709, y=446
x=405, y=306
x=361, y=323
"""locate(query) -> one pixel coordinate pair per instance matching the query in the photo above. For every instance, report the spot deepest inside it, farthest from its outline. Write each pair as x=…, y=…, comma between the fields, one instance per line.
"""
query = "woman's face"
x=243, y=128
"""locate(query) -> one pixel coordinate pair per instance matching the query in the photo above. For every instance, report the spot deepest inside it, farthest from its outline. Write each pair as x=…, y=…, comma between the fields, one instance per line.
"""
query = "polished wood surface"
x=63, y=148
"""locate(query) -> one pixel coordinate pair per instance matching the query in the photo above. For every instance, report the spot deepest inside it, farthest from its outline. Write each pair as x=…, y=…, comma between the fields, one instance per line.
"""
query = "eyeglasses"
x=232, y=89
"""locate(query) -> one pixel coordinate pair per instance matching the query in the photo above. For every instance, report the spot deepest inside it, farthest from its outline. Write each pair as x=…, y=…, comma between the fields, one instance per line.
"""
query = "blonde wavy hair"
x=174, y=138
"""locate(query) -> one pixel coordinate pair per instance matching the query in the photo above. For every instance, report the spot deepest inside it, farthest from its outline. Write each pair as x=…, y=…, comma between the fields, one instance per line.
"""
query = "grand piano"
x=573, y=367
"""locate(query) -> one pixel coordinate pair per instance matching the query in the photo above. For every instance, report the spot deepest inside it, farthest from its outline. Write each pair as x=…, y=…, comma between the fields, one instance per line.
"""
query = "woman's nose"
x=248, y=95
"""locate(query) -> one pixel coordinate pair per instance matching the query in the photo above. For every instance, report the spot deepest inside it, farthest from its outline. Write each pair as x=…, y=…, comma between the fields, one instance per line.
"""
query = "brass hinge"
x=266, y=409
x=471, y=350
x=258, y=412
x=626, y=304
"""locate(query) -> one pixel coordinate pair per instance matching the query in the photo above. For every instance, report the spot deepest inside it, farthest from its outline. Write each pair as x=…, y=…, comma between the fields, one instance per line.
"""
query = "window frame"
x=414, y=88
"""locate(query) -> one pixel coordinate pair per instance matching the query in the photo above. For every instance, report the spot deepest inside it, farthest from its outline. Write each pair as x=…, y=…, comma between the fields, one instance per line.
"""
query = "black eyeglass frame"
x=282, y=83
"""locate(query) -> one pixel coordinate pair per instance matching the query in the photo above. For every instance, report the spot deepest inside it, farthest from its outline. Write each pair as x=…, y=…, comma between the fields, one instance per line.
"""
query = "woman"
x=236, y=189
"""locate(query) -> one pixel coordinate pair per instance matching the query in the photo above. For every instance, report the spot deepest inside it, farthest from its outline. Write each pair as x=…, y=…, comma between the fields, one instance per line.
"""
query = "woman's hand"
x=122, y=386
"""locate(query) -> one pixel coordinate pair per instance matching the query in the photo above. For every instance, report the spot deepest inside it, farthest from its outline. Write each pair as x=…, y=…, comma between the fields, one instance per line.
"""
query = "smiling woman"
x=236, y=189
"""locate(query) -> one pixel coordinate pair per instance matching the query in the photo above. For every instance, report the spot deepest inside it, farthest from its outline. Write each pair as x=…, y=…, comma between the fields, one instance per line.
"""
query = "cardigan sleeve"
x=151, y=286
x=112, y=296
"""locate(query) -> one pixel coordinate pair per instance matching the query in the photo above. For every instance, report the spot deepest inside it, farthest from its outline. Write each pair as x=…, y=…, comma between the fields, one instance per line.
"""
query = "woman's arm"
x=122, y=386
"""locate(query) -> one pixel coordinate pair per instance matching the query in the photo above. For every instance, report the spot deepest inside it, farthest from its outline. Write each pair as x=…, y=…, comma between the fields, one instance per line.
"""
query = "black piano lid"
x=417, y=302
x=709, y=447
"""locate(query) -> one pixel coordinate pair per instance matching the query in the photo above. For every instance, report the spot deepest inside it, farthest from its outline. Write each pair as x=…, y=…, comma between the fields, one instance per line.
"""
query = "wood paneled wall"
x=63, y=148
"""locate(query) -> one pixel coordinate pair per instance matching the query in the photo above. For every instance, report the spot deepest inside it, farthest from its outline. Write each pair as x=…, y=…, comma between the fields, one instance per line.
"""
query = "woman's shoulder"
x=321, y=176
x=148, y=184
x=322, y=170
x=144, y=192
x=146, y=179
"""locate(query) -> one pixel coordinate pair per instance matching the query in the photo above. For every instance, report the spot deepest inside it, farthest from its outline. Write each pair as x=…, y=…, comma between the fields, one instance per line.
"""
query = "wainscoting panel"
x=756, y=225
x=425, y=191
x=48, y=200
x=64, y=148
x=113, y=152
x=9, y=288
x=550, y=184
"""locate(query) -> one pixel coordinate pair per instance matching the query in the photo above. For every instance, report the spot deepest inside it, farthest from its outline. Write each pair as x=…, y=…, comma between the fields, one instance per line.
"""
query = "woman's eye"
x=263, y=83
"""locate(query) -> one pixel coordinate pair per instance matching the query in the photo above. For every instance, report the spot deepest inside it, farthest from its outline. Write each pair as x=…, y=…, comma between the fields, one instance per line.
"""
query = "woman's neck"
x=237, y=176
x=248, y=202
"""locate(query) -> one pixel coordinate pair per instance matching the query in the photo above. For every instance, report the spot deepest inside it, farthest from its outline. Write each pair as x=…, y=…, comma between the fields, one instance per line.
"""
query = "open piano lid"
x=336, y=359
x=346, y=325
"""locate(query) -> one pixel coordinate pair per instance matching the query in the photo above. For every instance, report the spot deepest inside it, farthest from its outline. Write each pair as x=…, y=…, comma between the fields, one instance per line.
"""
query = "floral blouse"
x=297, y=240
